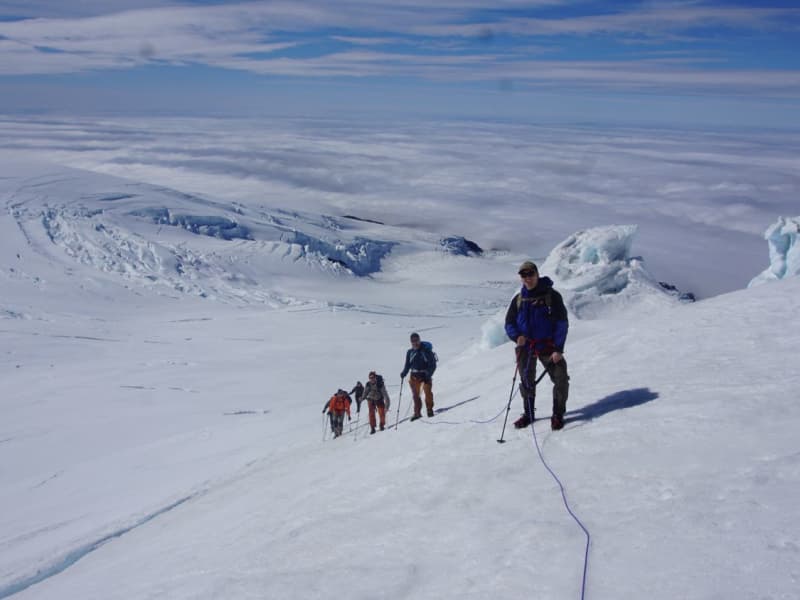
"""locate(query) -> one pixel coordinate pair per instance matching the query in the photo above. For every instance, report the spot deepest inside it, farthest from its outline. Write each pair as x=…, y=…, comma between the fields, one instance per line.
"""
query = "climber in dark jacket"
x=421, y=363
x=358, y=392
x=537, y=322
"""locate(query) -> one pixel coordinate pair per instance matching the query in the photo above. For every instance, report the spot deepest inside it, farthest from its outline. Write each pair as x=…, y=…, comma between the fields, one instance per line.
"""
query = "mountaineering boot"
x=372, y=431
x=430, y=412
x=381, y=427
x=522, y=422
x=415, y=417
x=556, y=422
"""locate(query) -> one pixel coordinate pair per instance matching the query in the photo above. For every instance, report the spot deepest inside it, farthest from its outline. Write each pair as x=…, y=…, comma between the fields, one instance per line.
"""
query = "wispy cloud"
x=175, y=35
x=84, y=8
x=77, y=8
x=453, y=40
x=364, y=41
x=649, y=21
x=656, y=73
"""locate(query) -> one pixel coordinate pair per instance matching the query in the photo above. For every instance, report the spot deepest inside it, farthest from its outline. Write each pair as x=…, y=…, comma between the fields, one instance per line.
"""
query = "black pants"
x=527, y=374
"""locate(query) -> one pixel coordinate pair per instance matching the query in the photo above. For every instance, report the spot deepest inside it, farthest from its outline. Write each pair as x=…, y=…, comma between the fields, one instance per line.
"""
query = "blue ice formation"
x=784, y=253
x=212, y=226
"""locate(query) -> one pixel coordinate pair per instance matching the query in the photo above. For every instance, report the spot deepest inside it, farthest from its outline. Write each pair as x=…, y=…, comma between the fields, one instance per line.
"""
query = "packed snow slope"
x=160, y=442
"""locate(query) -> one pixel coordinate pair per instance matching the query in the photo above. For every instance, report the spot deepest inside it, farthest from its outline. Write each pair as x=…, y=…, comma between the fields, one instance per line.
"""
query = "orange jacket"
x=339, y=404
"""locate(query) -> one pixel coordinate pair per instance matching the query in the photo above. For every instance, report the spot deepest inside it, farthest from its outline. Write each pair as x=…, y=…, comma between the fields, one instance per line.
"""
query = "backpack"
x=381, y=387
x=429, y=347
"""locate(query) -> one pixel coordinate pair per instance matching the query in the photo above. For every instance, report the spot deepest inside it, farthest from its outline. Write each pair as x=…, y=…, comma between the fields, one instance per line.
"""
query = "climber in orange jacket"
x=337, y=406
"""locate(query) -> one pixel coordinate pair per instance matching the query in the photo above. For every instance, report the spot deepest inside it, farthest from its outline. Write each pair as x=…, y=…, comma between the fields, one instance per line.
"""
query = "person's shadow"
x=615, y=401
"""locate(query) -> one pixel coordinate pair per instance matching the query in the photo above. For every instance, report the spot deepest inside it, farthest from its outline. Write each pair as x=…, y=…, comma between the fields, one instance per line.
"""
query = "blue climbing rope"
x=567, y=506
x=475, y=421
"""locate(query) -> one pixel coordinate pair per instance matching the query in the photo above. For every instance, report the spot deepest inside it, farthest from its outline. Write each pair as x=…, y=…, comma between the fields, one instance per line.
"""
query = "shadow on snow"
x=615, y=401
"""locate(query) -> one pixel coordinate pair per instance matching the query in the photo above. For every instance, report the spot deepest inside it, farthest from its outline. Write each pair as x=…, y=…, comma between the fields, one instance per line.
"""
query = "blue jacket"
x=544, y=325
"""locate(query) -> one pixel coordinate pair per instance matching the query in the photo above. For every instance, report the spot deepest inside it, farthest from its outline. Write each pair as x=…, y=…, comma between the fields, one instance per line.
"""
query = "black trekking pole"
x=508, y=408
x=399, y=399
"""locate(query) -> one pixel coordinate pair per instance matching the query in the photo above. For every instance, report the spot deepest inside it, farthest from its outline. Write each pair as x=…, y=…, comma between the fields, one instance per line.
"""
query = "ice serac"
x=784, y=253
x=595, y=271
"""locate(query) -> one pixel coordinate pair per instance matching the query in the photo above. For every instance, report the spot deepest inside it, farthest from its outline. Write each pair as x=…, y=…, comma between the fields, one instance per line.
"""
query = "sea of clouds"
x=510, y=187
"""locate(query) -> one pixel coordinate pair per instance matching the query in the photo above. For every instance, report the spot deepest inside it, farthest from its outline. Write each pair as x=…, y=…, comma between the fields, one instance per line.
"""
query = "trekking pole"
x=358, y=418
x=324, y=427
x=399, y=399
x=511, y=395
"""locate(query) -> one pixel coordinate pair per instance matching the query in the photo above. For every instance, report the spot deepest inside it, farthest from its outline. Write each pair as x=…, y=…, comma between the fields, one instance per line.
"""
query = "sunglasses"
x=527, y=273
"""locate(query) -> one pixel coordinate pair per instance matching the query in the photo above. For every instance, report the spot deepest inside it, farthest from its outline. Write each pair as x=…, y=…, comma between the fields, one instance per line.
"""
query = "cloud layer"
x=510, y=187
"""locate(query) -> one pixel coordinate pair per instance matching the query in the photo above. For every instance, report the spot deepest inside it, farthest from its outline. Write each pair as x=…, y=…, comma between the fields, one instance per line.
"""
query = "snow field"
x=162, y=435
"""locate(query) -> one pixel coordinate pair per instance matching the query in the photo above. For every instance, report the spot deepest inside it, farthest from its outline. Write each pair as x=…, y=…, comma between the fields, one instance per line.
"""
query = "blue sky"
x=681, y=62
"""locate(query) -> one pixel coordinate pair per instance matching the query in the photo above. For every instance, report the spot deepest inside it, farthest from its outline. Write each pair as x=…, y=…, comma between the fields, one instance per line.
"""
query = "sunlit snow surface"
x=166, y=355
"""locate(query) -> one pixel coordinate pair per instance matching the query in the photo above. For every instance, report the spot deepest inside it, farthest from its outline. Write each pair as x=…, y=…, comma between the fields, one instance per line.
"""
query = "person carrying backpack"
x=359, y=394
x=537, y=322
x=377, y=400
x=421, y=363
x=337, y=406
